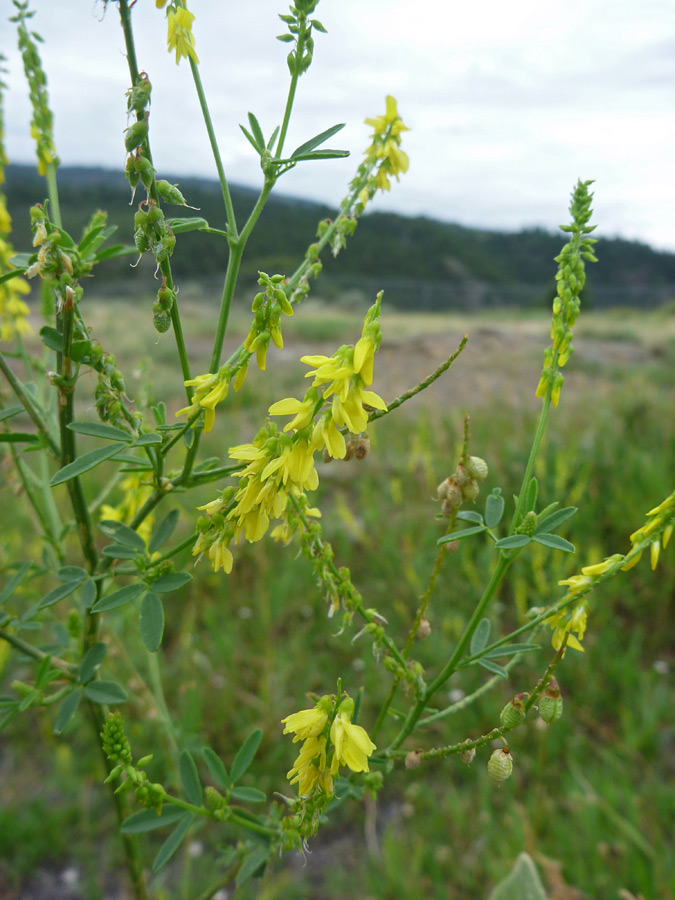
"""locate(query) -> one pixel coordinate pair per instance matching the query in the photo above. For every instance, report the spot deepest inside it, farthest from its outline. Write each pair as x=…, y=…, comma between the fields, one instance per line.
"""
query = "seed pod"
x=470, y=490
x=146, y=170
x=136, y=134
x=413, y=760
x=141, y=240
x=477, y=468
x=514, y=711
x=161, y=320
x=500, y=765
x=424, y=629
x=467, y=756
x=171, y=194
x=551, y=702
x=451, y=495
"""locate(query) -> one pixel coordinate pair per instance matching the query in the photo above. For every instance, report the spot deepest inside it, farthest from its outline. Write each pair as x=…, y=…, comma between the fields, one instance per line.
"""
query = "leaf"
x=513, y=541
x=252, y=863
x=480, y=637
x=14, y=273
x=190, y=778
x=83, y=464
x=105, y=692
x=531, y=495
x=245, y=754
x=115, y=251
x=510, y=649
x=494, y=510
x=492, y=667
x=216, y=768
x=72, y=573
x=555, y=541
x=470, y=515
x=249, y=137
x=316, y=140
x=319, y=27
x=119, y=551
x=51, y=338
x=148, y=820
x=256, y=131
x=88, y=594
x=322, y=154
x=171, y=582
x=550, y=523
x=67, y=711
x=118, y=598
x=94, y=238
x=522, y=883
x=103, y=431
x=19, y=437
x=248, y=795
x=172, y=843
x=164, y=531
x=14, y=581
x=152, y=621
x=63, y=590
x=462, y=533
x=10, y=412
x=92, y=660
x=122, y=533
x=145, y=439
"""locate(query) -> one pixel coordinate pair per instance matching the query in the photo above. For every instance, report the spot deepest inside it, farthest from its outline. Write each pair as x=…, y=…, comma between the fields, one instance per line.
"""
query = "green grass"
x=591, y=793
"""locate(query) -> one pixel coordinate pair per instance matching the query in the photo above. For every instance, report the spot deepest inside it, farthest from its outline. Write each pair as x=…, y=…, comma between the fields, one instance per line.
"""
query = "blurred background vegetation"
x=592, y=797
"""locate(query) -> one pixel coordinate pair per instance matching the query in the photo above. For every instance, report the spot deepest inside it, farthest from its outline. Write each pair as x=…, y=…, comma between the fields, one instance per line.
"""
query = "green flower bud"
x=213, y=799
x=500, y=765
x=528, y=524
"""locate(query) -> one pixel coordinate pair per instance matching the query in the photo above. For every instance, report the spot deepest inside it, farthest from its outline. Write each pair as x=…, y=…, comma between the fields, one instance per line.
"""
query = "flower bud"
x=477, y=468
x=500, y=765
x=551, y=702
x=413, y=760
x=528, y=525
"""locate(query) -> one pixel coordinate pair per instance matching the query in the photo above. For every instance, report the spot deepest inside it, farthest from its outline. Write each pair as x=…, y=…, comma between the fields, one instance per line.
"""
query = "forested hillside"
x=422, y=263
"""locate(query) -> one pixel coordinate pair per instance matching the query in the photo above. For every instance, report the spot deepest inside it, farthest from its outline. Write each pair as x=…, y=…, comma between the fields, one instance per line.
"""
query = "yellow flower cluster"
x=565, y=622
x=210, y=390
x=326, y=747
x=279, y=466
x=13, y=310
x=135, y=495
x=180, y=37
x=385, y=147
x=659, y=525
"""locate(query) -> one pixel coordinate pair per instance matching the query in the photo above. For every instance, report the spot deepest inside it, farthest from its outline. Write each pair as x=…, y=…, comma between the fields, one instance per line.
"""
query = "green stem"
x=30, y=406
x=534, y=452
x=53, y=191
x=231, y=219
x=69, y=670
x=155, y=679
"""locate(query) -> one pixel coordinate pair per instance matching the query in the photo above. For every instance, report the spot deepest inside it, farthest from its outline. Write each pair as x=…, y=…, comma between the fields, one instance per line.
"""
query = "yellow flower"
x=310, y=769
x=210, y=390
x=302, y=410
x=562, y=625
x=351, y=742
x=306, y=723
x=390, y=122
x=180, y=37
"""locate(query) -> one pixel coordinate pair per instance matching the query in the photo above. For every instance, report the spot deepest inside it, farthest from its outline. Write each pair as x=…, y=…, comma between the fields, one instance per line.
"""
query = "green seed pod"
x=500, y=765
x=170, y=193
x=146, y=170
x=514, y=711
x=528, y=524
x=166, y=298
x=161, y=320
x=551, y=702
x=470, y=490
x=136, y=134
x=155, y=214
x=141, y=240
x=477, y=468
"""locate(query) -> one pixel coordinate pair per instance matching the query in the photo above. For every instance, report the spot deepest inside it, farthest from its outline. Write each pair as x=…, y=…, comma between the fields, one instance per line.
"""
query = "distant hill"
x=421, y=263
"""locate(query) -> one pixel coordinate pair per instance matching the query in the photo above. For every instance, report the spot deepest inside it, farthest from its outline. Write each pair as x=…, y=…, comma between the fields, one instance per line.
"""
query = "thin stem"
x=69, y=670
x=157, y=689
x=52, y=189
x=30, y=406
x=231, y=219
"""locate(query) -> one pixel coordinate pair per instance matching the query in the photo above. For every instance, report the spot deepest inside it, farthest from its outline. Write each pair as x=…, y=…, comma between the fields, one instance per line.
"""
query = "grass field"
x=591, y=798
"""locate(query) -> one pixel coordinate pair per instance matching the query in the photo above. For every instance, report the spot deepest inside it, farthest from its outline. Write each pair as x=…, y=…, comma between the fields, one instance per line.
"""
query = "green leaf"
x=550, y=523
x=513, y=541
x=531, y=495
x=470, y=515
x=248, y=795
x=255, y=861
x=285, y=39
x=249, y=137
x=322, y=154
x=171, y=582
x=216, y=768
x=63, y=590
x=319, y=27
x=19, y=437
x=510, y=649
x=190, y=778
x=118, y=598
x=146, y=439
x=92, y=660
x=462, y=533
x=122, y=533
x=316, y=140
x=256, y=131
x=10, y=412
x=83, y=464
x=102, y=431
x=94, y=238
x=109, y=693
x=149, y=820
x=119, y=551
x=14, y=581
x=51, y=338
x=480, y=637
x=494, y=509
x=492, y=667
x=115, y=251
x=72, y=573
x=67, y=711
x=88, y=594
x=245, y=754
x=14, y=273
x=554, y=541
x=173, y=842
x=522, y=883
x=164, y=531
x=152, y=621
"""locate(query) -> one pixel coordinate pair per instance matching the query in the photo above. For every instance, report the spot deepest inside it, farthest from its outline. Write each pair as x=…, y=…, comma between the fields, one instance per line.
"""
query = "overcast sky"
x=508, y=102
